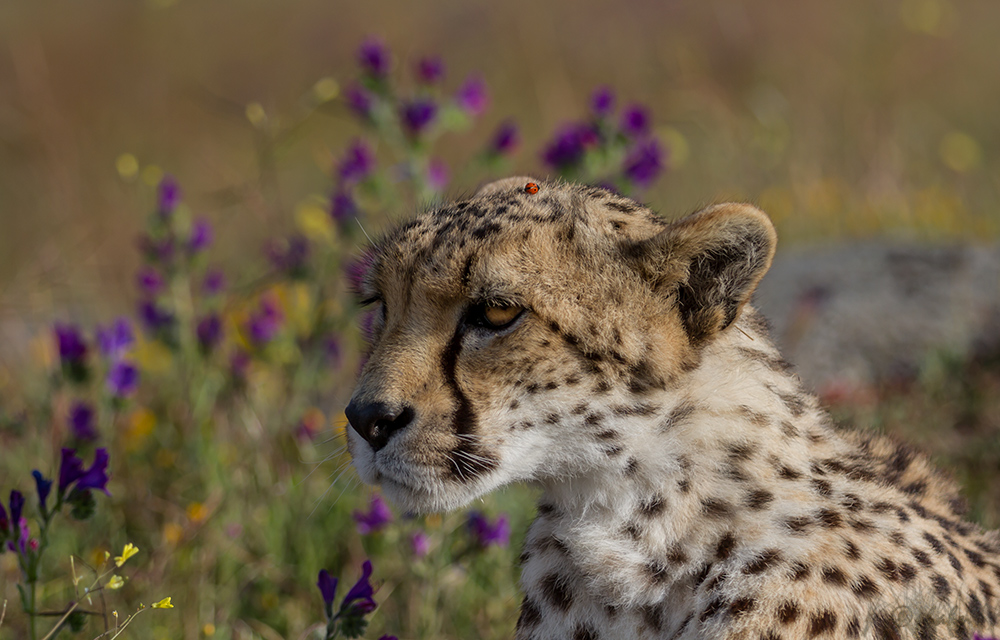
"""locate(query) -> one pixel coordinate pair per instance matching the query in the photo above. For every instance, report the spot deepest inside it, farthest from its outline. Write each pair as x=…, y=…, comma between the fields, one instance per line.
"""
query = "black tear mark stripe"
x=468, y=460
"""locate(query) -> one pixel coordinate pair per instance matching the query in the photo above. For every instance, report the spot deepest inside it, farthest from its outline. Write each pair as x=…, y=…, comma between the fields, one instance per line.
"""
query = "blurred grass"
x=841, y=119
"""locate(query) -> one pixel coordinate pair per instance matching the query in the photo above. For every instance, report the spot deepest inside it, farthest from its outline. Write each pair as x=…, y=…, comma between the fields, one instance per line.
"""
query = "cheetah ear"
x=506, y=184
x=712, y=260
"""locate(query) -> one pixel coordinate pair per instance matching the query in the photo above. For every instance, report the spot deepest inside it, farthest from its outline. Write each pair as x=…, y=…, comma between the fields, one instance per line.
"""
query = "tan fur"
x=690, y=487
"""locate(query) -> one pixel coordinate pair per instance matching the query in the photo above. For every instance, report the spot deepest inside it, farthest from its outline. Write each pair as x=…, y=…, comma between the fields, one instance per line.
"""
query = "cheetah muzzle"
x=570, y=338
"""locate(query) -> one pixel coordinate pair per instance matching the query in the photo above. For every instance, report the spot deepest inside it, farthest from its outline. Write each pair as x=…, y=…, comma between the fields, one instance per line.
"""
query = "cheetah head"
x=494, y=320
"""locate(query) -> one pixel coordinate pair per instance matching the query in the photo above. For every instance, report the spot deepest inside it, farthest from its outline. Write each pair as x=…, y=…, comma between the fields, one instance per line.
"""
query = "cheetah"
x=568, y=337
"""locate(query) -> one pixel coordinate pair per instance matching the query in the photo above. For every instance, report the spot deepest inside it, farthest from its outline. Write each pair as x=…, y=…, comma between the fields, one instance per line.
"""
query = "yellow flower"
x=127, y=166
x=208, y=629
x=151, y=175
x=127, y=552
x=163, y=604
x=116, y=582
x=197, y=512
x=326, y=89
x=172, y=533
x=313, y=219
x=140, y=425
x=256, y=115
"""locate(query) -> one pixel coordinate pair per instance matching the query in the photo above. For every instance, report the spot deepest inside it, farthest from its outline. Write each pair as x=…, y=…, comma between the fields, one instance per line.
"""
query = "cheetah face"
x=496, y=321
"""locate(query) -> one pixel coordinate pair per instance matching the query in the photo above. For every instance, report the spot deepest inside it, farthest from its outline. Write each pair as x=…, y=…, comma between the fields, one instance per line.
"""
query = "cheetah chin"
x=566, y=336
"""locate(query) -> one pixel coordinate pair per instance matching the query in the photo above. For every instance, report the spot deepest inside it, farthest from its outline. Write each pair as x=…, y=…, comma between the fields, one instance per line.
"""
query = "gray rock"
x=856, y=315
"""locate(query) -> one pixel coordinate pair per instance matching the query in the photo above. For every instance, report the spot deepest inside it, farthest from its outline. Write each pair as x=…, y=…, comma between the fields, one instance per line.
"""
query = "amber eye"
x=494, y=315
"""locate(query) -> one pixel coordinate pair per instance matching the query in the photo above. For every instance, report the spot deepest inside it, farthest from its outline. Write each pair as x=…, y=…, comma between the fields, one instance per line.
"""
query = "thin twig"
x=3, y=614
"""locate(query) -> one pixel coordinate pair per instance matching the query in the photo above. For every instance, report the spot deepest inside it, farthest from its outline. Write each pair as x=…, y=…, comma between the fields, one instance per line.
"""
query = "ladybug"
x=531, y=187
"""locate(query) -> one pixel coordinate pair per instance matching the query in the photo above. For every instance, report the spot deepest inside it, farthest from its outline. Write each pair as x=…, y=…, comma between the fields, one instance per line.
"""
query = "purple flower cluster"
x=265, y=322
x=641, y=157
x=486, y=532
x=289, y=255
x=349, y=618
x=74, y=488
x=375, y=518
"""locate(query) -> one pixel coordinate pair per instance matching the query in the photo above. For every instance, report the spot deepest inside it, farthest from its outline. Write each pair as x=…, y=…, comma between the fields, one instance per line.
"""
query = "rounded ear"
x=712, y=260
x=506, y=184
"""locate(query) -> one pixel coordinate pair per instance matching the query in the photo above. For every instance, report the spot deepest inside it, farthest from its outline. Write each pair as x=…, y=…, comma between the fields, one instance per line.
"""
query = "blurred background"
x=867, y=129
x=842, y=119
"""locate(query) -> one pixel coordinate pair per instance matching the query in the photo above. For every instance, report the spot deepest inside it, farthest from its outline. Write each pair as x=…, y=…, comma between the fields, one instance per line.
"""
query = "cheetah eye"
x=494, y=315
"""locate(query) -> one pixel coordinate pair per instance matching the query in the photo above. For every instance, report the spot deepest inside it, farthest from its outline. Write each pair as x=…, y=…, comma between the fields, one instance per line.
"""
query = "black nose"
x=376, y=422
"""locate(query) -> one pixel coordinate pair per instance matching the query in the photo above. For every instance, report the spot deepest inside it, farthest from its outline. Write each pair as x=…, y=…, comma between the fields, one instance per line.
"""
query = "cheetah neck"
x=686, y=473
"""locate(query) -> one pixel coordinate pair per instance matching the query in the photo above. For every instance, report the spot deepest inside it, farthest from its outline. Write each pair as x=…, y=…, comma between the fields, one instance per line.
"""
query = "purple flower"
x=418, y=115
x=239, y=364
x=472, y=96
x=333, y=350
x=209, y=332
x=265, y=322
x=374, y=57
x=214, y=282
x=72, y=348
x=430, y=70
x=635, y=121
x=123, y=379
x=153, y=317
x=420, y=544
x=358, y=600
x=201, y=235
x=96, y=477
x=486, y=533
x=343, y=207
x=16, y=505
x=377, y=516
x=161, y=250
x=168, y=195
x=4, y=523
x=388, y=638
x=115, y=340
x=81, y=421
x=24, y=535
x=70, y=469
x=43, y=486
x=566, y=150
x=602, y=102
x=437, y=174
x=150, y=281
x=359, y=100
x=358, y=162
x=644, y=163
x=328, y=588
x=289, y=254
x=506, y=139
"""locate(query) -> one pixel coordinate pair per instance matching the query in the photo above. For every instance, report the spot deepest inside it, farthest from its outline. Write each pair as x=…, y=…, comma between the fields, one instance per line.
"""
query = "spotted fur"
x=690, y=487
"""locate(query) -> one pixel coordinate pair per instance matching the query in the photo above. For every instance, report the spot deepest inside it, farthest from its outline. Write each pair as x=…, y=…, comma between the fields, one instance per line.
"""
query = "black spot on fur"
x=864, y=587
x=677, y=415
x=941, y=587
x=854, y=628
x=713, y=607
x=822, y=622
x=787, y=473
x=851, y=550
x=759, y=499
x=834, y=576
x=829, y=518
x=926, y=629
x=764, y=561
x=921, y=557
x=530, y=615
x=652, y=507
x=584, y=631
x=886, y=628
x=798, y=525
x=556, y=591
x=725, y=546
x=716, y=508
x=800, y=571
x=657, y=572
x=822, y=487
x=740, y=606
x=788, y=612
x=631, y=467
